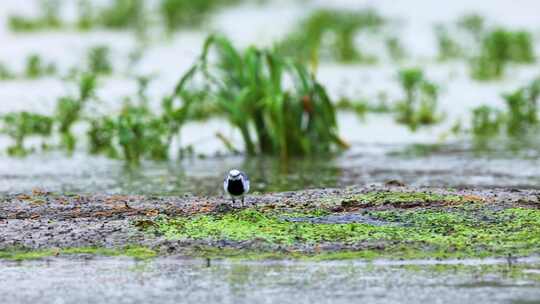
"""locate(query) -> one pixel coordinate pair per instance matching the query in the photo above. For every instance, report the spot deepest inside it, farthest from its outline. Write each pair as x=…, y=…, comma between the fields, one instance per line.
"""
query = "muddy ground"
x=42, y=220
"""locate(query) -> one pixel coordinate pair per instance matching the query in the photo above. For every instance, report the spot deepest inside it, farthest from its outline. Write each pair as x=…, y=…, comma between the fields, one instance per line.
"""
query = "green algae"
x=255, y=225
x=404, y=198
x=397, y=199
x=21, y=254
x=463, y=231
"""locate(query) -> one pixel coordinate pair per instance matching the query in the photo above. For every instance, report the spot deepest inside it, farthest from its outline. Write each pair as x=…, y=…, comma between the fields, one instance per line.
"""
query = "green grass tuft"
x=250, y=89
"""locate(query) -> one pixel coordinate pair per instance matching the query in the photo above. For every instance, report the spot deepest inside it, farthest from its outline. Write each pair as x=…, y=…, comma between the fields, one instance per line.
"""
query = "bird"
x=236, y=184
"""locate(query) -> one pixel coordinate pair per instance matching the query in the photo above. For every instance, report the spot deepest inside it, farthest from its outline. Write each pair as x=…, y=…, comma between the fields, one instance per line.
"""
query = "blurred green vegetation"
x=270, y=96
x=47, y=19
x=36, y=67
x=330, y=34
x=187, y=13
x=69, y=109
x=518, y=119
x=396, y=50
x=22, y=125
x=249, y=88
x=140, y=134
x=5, y=72
x=99, y=61
x=461, y=39
x=489, y=50
x=499, y=48
x=448, y=48
x=420, y=105
x=120, y=15
x=362, y=107
x=486, y=121
x=136, y=132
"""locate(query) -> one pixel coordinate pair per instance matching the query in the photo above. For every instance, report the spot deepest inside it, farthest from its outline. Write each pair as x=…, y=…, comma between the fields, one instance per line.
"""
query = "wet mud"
x=43, y=220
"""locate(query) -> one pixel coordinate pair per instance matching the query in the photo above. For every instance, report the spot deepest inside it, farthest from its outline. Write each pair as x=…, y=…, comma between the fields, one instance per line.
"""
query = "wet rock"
x=394, y=183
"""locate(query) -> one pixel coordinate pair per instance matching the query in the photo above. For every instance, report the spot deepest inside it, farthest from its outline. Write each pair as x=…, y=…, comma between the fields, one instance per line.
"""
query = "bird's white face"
x=234, y=174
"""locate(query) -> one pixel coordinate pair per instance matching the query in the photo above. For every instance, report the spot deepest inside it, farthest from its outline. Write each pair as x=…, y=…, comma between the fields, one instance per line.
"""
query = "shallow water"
x=168, y=280
x=453, y=165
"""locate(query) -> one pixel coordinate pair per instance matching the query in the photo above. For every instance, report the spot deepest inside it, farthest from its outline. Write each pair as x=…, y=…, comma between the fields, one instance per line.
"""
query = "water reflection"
x=204, y=176
x=448, y=165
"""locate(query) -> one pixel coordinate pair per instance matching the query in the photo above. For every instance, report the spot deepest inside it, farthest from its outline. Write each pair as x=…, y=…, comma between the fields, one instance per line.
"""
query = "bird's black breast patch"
x=235, y=187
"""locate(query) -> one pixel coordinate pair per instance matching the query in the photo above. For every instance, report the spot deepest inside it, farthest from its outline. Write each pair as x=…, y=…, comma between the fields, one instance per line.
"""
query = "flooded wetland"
x=392, y=149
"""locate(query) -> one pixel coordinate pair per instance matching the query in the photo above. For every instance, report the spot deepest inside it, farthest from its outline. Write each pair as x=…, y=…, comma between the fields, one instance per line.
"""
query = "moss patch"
x=17, y=254
x=454, y=232
x=405, y=199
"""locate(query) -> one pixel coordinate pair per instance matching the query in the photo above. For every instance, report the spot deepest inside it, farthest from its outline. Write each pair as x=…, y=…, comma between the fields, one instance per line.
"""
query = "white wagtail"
x=236, y=183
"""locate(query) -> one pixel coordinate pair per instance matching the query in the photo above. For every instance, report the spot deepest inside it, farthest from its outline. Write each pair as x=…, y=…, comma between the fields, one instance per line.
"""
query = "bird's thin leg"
x=242, y=201
x=233, y=201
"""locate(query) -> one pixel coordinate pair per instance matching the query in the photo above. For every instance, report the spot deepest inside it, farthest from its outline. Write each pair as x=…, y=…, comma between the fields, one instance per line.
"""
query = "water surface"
x=168, y=280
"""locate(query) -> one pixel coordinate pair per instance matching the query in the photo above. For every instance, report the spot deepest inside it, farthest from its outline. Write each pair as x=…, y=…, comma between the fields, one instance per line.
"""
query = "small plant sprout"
x=486, y=121
x=488, y=49
x=188, y=13
x=499, y=48
x=473, y=24
x=5, y=72
x=36, y=67
x=120, y=15
x=69, y=109
x=132, y=135
x=448, y=47
x=123, y=14
x=419, y=106
x=461, y=39
x=518, y=119
x=395, y=49
x=522, y=108
x=99, y=61
x=135, y=133
x=49, y=18
x=362, y=107
x=19, y=126
x=86, y=17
